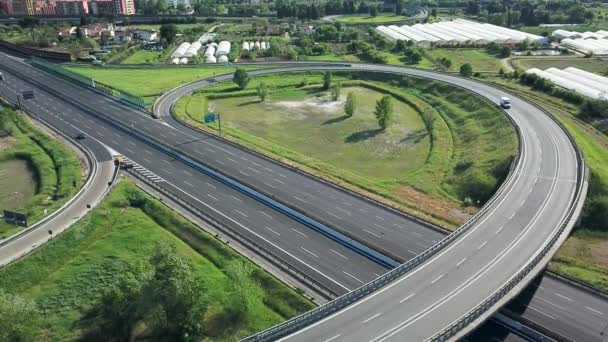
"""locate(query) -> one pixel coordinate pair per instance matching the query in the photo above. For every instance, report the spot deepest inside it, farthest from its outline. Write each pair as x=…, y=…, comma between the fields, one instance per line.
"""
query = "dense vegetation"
x=133, y=268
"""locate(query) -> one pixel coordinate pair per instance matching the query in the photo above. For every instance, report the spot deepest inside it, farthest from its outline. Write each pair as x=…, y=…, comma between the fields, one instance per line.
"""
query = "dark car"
x=80, y=136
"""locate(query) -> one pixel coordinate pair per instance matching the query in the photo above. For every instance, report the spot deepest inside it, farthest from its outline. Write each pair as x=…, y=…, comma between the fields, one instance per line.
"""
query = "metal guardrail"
x=242, y=239
x=90, y=82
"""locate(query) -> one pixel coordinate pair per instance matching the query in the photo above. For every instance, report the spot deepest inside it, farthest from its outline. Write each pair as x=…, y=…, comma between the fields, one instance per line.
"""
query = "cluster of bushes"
x=367, y=51
x=502, y=51
x=544, y=85
x=413, y=54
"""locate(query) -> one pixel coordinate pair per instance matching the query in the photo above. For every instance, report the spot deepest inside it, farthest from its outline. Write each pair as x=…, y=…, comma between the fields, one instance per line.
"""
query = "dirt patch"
x=443, y=209
x=6, y=142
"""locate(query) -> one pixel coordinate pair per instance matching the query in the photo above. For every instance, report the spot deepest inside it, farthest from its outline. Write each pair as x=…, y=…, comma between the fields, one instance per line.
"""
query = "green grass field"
x=68, y=276
x=405, y=164
x=392, y=58
x=367, y=19
x=595, y=65
x=55, y=169
x=144, y=57
x=479, y=59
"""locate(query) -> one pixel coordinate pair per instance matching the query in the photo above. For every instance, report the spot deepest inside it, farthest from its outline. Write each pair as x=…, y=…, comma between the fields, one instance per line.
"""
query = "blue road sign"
x=209, y=117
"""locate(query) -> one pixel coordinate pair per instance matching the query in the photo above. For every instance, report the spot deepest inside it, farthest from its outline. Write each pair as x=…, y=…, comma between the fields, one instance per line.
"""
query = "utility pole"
x=219, y=122
x=19, y=102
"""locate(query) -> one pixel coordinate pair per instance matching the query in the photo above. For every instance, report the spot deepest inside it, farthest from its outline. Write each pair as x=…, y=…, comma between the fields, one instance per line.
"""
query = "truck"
x=505, y=102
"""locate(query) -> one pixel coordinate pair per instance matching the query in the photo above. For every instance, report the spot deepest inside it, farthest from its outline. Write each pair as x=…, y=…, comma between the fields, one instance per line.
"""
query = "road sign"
x=28, y=94
x=14, y=218
x=209, y=117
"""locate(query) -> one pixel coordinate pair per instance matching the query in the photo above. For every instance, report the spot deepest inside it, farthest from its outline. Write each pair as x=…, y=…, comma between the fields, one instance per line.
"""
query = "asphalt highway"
x=471, y=276
x=337, y=268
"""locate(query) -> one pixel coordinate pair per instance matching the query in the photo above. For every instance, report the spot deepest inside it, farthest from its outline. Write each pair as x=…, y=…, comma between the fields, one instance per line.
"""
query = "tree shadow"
x=363, y=135
x=415, y=136
x=336, y=120
x=249, y=103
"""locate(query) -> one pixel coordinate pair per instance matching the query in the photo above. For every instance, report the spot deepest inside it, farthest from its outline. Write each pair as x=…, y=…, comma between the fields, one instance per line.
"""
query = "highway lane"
x=387, y=231
x=531, y=209
x=331, y=264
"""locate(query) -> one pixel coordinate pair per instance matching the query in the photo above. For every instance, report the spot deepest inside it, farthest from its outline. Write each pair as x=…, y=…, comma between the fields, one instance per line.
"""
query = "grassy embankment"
x=68, y=276
x=480, y=59
x=55, y=169
x=148, y=57
x=426, y=172
x=583, y=256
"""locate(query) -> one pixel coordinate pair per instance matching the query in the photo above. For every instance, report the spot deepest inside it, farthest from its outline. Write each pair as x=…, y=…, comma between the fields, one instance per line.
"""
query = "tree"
x=176, y=294
x=20, y=317
x=244, y=289
x=326, y=80
x=162, y=6
x=373, y=10
x=466, y=70
x=30, y=22
x=335, y=91
x=168, y=32
x=241, y=78
x=350, y=106
x=262, y=91
x=399, y=7
x=383, y=112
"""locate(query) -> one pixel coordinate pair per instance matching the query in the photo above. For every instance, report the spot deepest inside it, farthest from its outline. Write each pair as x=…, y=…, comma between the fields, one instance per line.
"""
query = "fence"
x=90, y=82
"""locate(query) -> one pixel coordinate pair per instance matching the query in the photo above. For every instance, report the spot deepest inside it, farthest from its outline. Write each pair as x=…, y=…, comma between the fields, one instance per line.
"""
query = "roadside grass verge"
x=68, y=276
x=149, y=82
x=583, y=256
x=55, y=169
x=368, y=19
x=145, y=57
x=469, y=146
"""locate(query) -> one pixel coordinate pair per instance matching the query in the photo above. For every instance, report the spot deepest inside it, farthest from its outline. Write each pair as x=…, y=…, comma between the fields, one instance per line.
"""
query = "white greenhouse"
x=183, y=61
x=596, y=47
x=567, y=83
x=181, y=50
x=193, y=50
x=222, y=59
x=210, y=51
x=210, y=59
x=223, y=48
x=245, y=46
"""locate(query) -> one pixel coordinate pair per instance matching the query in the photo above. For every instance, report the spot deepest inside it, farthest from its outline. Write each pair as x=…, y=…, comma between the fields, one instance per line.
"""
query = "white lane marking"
x=270, y=185
x=541, y=312
x=210, y=150
x=188, y=173
x=436, y=279
x=237, y=199
x=147, y=161
x=220, y=162
x=373, y=317
x=461, y=261
x=210, y=185
x=332, y=338
x=362, y=210
x=511, y=217
x=379, y=218
x=98, y=133
x=562, y=296
x=406, y=298
x=164, y=136
x=114, y=142
x=348, y=204
x=481, y=246
x=299, y=232
x=264, y=213
x=417, y=234
x=240, y=212
x=232, y=160
x=499, y=229
x=130, y=151
x=340, y=254
x=266, y=240
x=280, y=181
x=215, y=198
x=596, y=311
x=334, y=215
x=246, y=174
x=383, y=228
x=256, y=164
x=116, y=135
x=148, y=152
x=167, y=171
x=274, y=231
x=309, y=252
x=282, y=175
x=548, y=302
x=412, y=252
x=167, y=162
x=189, y=183
x=299, y=199
x=352, y=276
x=343, y=210
x=367, y=231
x=254, y=170
x=243, y=158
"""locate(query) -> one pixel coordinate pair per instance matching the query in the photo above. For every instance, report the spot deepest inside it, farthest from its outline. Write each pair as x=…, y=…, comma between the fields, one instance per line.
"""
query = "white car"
x=505, y=102
x=1, y=77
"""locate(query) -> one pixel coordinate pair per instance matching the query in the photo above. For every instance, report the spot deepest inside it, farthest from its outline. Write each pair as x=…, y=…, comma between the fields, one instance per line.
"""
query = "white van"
x=505, y=102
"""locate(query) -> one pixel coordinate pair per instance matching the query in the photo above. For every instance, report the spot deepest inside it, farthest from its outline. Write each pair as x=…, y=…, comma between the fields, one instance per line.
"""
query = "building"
x=175, y=3
x=72, y=7
x=6, y=6
x=97, y=30
x=270, y=29
x=124, y=7
x=146, y=35
x=97, y=7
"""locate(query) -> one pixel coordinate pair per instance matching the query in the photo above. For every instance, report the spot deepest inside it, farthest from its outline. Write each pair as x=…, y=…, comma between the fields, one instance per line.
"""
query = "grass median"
x=67, y=277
